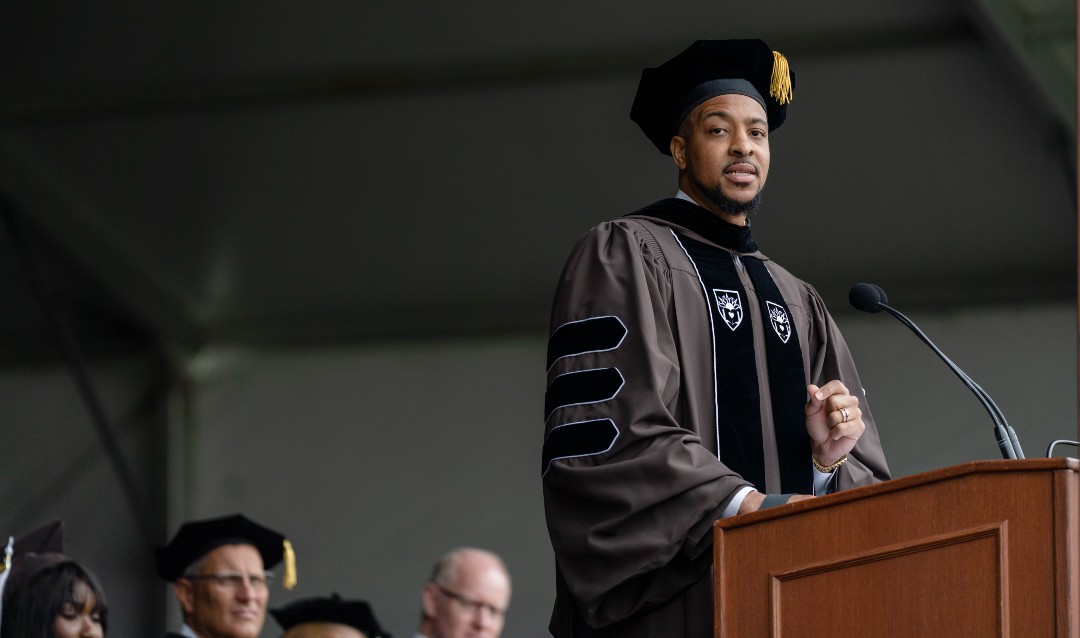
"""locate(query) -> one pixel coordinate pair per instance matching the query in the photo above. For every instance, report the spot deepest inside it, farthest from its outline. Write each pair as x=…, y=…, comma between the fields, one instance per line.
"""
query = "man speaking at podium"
x=690, y=377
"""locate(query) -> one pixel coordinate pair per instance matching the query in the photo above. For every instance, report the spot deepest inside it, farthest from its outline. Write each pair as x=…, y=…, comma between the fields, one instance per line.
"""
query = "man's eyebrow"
x=727, y=116
x=722, y=114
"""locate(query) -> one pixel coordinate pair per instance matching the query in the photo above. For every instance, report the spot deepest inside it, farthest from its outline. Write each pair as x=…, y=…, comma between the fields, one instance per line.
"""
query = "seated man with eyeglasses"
x=220, y=572
x=467, y=595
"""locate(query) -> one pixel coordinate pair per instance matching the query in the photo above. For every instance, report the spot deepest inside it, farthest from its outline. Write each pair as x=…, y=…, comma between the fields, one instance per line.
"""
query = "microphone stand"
x=1006, y=437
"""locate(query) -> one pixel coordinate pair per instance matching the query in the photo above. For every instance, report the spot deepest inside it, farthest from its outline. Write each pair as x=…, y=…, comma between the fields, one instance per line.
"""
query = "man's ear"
x=678, y=151
x=185, y=594
x=431, y=590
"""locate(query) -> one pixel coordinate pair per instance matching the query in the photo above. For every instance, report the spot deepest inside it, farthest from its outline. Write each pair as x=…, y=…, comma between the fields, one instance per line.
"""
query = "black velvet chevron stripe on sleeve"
x=596, y=334
x=584, y=438
x=579, y=388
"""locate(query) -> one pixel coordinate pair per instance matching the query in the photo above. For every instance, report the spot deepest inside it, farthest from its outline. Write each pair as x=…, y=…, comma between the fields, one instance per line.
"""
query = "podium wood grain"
x=984, y=549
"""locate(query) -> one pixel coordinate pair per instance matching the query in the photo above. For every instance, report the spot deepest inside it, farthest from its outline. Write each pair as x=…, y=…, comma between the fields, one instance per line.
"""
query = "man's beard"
x=715, y=194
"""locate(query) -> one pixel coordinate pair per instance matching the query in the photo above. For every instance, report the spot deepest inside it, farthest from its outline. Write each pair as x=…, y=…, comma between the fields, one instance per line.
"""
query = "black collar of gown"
x=701, y=221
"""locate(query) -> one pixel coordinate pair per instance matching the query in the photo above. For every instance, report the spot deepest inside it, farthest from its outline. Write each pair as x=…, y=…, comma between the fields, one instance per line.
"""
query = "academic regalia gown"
x=632, y=475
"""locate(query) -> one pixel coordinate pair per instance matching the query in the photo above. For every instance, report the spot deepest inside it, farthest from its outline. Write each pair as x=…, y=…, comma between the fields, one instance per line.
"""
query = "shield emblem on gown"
x=729, y=303
x=778, y=317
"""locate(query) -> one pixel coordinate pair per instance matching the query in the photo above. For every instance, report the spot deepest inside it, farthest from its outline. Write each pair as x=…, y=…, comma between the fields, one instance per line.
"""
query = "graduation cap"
x=195, y=539
x=352, y=613
x=708, y=68
x=28, y=554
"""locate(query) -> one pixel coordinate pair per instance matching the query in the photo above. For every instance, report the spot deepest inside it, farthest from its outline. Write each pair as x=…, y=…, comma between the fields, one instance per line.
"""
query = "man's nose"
x=483, y=618
x=246, y=590
x=740, y=144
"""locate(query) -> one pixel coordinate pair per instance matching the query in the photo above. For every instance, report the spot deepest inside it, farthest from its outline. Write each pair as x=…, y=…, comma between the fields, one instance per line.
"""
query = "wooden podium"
x=984, y=549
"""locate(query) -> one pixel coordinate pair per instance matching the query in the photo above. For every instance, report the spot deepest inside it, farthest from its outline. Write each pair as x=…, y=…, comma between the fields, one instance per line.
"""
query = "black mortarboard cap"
x=197, y=538
x=31, y=553
x=666, y=94
x=353, y=613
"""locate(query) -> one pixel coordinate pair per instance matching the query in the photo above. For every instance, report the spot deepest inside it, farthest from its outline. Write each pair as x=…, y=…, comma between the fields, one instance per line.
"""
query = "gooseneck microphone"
x=872, y=299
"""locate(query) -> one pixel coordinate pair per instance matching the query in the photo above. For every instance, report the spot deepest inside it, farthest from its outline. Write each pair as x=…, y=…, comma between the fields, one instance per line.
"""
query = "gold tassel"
x=780, y=83
x=288, y=581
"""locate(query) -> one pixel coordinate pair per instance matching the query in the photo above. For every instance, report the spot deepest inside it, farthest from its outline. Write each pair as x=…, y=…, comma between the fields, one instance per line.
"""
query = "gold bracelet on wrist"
x=828, y=469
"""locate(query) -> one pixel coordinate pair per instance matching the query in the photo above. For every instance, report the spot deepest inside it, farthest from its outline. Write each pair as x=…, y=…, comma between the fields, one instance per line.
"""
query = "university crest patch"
x=729, y=303
x=778, y=317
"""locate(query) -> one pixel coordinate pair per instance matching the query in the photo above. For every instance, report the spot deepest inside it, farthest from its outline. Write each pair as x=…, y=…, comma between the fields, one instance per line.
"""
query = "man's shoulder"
x=661, y=213
x=633, y=234
x=653, y=211
x=794, y=288
x=628, y=226
x=647, y=218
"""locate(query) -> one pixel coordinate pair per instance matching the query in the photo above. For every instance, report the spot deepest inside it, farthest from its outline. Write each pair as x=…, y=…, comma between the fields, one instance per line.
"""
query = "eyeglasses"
x=235, y=581
x=471, y=605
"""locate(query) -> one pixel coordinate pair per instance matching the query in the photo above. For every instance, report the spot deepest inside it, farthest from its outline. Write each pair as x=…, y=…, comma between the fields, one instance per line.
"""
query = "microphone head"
x=867, y=297
x=884, y=298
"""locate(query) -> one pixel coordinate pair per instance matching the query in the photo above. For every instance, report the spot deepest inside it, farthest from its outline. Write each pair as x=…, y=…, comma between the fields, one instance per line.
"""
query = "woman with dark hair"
x=47, y=594
x=60, y=601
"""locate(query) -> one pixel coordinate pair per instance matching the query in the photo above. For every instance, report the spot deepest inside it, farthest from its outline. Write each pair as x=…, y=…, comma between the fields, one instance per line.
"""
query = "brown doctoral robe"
x=631, y=475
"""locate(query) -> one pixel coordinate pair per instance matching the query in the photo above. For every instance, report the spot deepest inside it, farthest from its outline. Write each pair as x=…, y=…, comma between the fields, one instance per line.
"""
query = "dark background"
x=300, y=256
